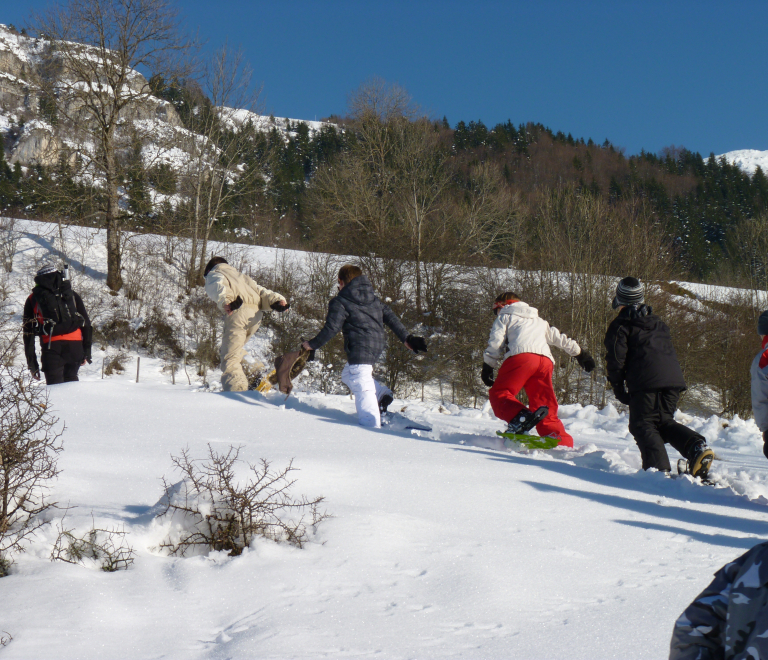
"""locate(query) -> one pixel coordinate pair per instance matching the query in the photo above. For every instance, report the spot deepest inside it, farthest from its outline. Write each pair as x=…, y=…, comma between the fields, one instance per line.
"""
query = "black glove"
x=765, y=443
x=417, y=344
x=237, y=303
x=280, y=306
x=620, y=392
x=586, y=361
x=311, y=356
x=487, y=375
x=88, y=357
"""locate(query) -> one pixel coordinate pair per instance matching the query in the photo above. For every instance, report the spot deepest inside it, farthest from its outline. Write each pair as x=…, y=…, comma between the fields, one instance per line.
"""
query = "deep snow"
x=442, y=544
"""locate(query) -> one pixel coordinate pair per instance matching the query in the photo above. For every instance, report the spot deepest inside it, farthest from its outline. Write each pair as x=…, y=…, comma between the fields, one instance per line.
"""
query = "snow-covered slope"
x=443, y=543
x=747, y=159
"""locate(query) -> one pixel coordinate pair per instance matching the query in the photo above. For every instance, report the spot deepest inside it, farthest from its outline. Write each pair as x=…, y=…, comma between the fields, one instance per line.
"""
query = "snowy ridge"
x=444, y=543
x=235, y=118
x=747, y=159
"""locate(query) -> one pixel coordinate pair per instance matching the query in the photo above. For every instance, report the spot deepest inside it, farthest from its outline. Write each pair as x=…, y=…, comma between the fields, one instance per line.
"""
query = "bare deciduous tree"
x=215, y=174
x=91, y=75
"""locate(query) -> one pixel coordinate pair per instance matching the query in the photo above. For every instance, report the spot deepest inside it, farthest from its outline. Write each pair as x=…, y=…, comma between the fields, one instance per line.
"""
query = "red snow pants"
x=534, y=373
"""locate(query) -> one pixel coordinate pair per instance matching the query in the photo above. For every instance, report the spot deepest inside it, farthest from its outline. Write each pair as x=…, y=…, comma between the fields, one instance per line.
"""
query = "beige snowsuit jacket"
x=224, y=284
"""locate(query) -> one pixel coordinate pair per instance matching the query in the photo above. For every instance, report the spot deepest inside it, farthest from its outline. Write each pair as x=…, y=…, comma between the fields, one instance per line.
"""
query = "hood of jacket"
x=520, y=309
x=359, y=291
x=640, y=316
x=50, y=281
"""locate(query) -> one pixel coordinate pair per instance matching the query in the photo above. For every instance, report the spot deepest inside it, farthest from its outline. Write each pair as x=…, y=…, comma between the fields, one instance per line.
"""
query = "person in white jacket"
x=759, y=373
x=244, y=302
x=521, y=340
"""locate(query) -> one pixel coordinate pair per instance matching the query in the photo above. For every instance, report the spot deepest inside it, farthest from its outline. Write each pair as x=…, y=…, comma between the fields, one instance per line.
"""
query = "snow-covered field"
x=443, y=543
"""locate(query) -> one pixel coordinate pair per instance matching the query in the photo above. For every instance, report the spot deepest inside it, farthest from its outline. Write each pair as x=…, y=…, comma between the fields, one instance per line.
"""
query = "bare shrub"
x=30, y=441
x=216, y=512
x=6, y=638
x=115, y=364
x=205, y=321
x=107, y=548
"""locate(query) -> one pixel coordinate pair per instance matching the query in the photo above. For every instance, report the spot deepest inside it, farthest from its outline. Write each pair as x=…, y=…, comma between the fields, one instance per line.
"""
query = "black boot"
x=525, y=420
x=384, y=402
x=700, y=459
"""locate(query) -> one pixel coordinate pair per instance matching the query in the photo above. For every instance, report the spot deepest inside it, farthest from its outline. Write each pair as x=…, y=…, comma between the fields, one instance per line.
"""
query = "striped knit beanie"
x=762, y=324
x=46, y=269
x=630, y=291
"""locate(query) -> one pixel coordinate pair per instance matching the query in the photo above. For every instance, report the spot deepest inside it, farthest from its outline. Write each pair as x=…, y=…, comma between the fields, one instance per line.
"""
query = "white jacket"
x=518, y=329
x=760, y=390
x=224, y=284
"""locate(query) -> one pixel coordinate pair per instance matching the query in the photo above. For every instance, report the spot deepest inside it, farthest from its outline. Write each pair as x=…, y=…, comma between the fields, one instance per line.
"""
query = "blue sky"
x=643, y=74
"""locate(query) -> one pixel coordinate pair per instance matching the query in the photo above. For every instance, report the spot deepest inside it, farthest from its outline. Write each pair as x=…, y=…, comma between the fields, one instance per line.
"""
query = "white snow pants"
x=367, y=392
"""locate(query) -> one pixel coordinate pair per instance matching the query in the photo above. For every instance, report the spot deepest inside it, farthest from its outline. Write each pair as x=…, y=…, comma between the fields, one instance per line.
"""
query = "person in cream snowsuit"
x=523, y=340
x=244, y=302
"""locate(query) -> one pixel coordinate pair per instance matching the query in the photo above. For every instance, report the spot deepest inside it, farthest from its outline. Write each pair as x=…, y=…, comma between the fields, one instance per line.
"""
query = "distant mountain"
x=31, y=138
x=748, y=160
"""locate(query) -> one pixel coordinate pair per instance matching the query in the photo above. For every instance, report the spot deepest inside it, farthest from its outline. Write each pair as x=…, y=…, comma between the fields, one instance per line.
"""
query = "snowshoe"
x=393, y=421
x=514, y=440
x=699, y=464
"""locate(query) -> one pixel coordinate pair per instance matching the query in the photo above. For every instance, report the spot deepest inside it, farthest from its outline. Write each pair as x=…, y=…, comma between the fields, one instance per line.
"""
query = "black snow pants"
x=652, y=423
x=61, y=361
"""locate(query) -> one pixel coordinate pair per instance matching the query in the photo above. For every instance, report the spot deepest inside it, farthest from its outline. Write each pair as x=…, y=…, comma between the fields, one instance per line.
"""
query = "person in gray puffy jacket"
x=729, y=619
x=759, y=374
x=361, y=317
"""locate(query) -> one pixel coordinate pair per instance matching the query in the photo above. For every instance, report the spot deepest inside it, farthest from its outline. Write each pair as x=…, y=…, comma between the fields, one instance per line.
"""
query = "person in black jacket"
x=645, y=375
x=361, y=317
x=56, y=314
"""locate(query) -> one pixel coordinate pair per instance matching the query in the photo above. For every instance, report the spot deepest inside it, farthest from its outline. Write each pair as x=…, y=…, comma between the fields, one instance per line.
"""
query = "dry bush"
x=107, y=548
x=203, y=322
x=115, y=364
x=308, y=288
x=30, y=442
x=6, y=638
x=217, y=512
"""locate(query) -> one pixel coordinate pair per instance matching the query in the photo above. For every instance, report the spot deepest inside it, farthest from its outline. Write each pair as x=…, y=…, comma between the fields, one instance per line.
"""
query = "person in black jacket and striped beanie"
x=645, y=375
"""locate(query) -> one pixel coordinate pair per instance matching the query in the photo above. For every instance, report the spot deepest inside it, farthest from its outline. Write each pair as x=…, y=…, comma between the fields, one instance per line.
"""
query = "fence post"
x=138, y=364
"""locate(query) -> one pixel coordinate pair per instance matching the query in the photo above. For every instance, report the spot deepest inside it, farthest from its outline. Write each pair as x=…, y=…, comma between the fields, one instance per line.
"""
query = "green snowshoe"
x=514, y=440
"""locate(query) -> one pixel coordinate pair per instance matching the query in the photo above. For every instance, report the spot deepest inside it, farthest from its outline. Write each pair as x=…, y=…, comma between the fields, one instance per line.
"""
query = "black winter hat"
x=762, y=324
x=630, y=291
x=213, y=263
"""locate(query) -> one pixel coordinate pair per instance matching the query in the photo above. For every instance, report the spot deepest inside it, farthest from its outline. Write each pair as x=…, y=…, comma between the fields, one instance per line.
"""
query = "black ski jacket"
x=53, y=312
x=360, y=316
x=640, y=352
